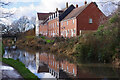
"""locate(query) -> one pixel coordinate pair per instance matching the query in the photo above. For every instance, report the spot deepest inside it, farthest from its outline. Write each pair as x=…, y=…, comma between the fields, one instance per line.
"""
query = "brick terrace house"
x=41, y=23
x=56, y=66
x=71, y=21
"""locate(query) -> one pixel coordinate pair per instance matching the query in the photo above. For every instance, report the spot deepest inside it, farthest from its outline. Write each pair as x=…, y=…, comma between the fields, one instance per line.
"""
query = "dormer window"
x=90, y=21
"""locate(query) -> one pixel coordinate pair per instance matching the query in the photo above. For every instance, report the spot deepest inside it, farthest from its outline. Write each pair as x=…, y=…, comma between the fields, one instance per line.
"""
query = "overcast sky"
x=31, y=7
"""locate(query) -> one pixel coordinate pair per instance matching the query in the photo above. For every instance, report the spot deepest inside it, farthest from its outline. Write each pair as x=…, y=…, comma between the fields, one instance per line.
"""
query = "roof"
x=66, y=12
x=75, y=12
x=43, y=16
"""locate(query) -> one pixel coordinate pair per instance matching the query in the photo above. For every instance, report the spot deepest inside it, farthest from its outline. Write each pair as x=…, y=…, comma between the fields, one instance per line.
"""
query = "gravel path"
x=9, y=72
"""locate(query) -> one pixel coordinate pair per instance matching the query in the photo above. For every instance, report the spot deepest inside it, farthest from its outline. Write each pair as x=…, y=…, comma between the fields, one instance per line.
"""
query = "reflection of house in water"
x=59, y=69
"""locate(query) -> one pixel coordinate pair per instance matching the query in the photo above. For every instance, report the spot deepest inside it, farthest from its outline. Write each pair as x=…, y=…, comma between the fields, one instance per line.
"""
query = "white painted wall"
x=37, y=26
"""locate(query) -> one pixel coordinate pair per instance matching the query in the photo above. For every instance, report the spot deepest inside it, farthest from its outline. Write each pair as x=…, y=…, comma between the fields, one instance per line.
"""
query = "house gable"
x=89, y=18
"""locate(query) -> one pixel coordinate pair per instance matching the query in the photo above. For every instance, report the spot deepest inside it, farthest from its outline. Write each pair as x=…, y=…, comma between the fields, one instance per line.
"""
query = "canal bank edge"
x=20, y=67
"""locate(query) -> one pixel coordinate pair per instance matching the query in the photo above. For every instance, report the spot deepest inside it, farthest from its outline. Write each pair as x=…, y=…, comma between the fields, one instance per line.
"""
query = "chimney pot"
x=56, y=9
x=76, y=5
x=66, y=4
x=85, y=2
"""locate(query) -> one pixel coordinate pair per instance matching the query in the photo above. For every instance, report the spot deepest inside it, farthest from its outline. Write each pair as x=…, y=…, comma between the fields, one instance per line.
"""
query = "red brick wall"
x=53, y=63
x=68, y=67
x=83, y=19
x=54, y=28
x=44, y=58
x=43, y=29
x=69, y=27
x=56, y=65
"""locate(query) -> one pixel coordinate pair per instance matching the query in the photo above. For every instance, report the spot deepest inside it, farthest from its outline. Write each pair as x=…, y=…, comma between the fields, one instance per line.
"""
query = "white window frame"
x=80, y=32
x=72, y=32
x=73, y=71
x=62, y=65
x=73, y=21
x=67, y=68
x=90, y=20
x=68, y=31
x=67, y=22
x=57, y=24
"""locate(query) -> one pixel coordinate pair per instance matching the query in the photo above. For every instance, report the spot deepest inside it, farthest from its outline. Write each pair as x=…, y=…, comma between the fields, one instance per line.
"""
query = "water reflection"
x=47, y=66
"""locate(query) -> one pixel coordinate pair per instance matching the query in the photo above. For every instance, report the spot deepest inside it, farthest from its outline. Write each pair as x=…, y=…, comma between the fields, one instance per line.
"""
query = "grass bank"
x=20, y=67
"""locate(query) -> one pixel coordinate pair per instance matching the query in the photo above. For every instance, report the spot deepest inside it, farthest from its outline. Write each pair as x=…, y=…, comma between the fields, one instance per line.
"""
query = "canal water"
x=46, y=65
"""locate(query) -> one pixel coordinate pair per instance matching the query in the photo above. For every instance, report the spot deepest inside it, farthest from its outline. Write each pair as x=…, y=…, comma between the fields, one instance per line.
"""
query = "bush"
x=114, y=19
x=43, y=37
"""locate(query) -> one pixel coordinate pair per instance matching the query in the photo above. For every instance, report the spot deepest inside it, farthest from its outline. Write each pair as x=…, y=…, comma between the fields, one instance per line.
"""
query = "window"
x=57, y=65
x=68, y=31
x=71, y=32
x=73, y=71
x=53, y=63
x=57, y=24
x=67, y=68
x=53, y=25
x=74, y=30
x=62, y=65
x=73, y=21
x=57, y=31
x=67, y=22
x=90, y=21
x=53, y=56
x=80, y=32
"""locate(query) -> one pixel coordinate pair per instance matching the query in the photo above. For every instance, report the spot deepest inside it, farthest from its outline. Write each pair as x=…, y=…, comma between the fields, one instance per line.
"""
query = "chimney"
x=76, y=5
x=85, y=2
x=56, y=9
x=66, y=4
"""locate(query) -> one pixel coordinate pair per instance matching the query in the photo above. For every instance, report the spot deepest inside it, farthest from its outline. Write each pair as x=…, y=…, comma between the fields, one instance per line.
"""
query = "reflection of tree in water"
x=99, y=70
x=23, y=56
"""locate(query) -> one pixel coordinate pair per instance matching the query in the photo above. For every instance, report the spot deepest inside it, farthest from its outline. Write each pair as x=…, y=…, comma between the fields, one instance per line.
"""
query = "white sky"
x=31, y=7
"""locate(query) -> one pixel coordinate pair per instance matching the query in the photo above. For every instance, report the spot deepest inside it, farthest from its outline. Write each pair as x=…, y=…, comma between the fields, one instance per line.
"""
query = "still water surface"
x=46, y=65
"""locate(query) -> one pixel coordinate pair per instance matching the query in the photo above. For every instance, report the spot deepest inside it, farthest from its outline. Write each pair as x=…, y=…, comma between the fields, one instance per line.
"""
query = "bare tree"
x=2, y=13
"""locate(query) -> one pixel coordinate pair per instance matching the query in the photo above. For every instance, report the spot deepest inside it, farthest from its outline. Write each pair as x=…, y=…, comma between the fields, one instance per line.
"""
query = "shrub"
x=114, y=19
x=43, y=37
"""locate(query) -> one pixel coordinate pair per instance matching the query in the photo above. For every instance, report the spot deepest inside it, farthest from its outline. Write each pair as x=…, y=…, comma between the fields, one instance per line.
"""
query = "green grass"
x=20, y=67
x=2, y=51
x=47, y=40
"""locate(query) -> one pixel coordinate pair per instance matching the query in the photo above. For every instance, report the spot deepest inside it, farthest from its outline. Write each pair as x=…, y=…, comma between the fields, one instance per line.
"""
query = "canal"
x=48, y=65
